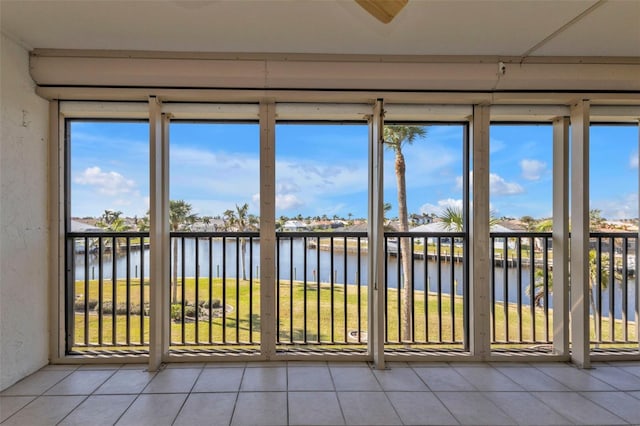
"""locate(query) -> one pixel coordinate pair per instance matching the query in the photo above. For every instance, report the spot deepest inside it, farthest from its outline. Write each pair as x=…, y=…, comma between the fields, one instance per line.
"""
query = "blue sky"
x=321, y=169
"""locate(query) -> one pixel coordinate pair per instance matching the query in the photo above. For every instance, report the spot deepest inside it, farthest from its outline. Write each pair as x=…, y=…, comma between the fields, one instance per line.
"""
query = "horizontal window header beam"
x=212, y=111
x=123, y=110
x=269, y=74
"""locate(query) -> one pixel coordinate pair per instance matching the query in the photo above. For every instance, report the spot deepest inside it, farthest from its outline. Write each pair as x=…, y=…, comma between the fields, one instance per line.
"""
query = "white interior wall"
x=23, y=219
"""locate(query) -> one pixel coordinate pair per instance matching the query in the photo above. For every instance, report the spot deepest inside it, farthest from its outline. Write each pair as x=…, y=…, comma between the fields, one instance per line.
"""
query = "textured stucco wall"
x=23, y=219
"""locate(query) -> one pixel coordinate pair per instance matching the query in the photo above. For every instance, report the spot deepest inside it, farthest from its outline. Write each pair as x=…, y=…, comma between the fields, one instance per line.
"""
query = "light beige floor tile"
x=473, y=408
x=99, y=410
x=354, y=379
x=263, y=364
x=532, y=379
x=575, y=379
x=112, y=367
x=219, y=380
x=260, y=409
x=224, y=364
x=81, y=382
x=348, y=364
x=126, y=382
x=309, y=378
x=37, y=383
x=634, y=394
x=58, y=367
x=619, y=403
x=578, y=409
x=314, y=408
x=264, y=379
x=367, y=408
x=176, y=380
x=306, y=364
x=45, y=411
x=11, y=404
x=191, y=365
x=526, y=409
x=443, y=379
x=153, y=410
x=420, y=408
x=633, y=369
x=142, y=366
x=487, y=378
x=399, y=379
x=616, y=377
x=207, y=408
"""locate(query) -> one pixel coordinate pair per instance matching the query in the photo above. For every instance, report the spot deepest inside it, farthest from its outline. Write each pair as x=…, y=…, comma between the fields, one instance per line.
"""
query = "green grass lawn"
x=329, y=316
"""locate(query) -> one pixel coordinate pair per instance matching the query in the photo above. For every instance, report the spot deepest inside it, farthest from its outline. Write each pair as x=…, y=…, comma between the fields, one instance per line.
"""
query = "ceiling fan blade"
x=383, y=10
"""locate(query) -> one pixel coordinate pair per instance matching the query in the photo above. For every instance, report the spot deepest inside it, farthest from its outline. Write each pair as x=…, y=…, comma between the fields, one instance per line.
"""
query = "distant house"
x=77, y=226
x=295, y=225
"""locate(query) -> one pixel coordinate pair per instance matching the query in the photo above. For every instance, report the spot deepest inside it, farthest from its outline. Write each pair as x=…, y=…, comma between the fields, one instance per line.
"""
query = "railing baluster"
x=238, y=260
x=612, y=289
x=400, y=286
x=532, y=282
x=452, y=291
x=210, y=239
x=625, y=289
x=86, y=291
x=291, y=270
x=426, y=289
x=318, y=287
x=128, y=291
x=386, y=289
x=412, y=292
x=304, y=289
x=224, y=290
x=183, y=293
x=597, y=315
x=345, y=287
x=100, y=289
x=493, y=288
x=142, y=308
x=545, y=283
x=358, y=282
x=505, y=294
x=114, y=293
x=519, y=286
x=250, y=289
x=332, y=284
x=439, y=284
x=197, y=291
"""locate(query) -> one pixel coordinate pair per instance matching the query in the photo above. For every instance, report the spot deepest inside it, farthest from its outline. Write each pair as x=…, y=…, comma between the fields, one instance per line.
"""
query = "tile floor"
x=297, y=393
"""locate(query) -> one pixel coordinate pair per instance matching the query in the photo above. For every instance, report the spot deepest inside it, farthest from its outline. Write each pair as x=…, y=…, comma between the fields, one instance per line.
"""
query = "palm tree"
x=538, y=297
x=453, y=219
x=240, y=220
x=111, y=221
x=180, y=218
x=395, y=137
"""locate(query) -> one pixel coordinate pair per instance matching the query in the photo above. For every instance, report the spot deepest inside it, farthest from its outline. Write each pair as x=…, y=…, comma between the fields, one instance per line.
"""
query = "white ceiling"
x=423, y=27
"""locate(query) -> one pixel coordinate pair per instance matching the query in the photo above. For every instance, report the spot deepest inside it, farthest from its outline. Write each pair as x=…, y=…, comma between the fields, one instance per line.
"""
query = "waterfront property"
x=247, y=114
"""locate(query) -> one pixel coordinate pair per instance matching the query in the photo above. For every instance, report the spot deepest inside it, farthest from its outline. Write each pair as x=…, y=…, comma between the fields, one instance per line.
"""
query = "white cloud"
x=497, y=185
x=288, y=202
x=633, y=161
x=106, y=183
x=624, y=207
x=532, y=169
x=441, y=206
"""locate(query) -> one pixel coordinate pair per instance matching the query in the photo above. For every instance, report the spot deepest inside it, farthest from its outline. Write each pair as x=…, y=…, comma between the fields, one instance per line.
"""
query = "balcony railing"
x=107, y=292
x=322, y=291
x=521, y=289
x=613, y=291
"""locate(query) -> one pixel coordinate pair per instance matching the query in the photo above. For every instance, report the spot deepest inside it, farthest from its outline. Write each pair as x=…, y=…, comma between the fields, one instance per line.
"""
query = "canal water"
x=424, y=272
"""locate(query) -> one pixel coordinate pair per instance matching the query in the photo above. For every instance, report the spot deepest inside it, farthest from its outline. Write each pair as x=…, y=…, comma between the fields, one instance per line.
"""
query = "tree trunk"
x=174, y=284
x=596, y=315
x=404, y=250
